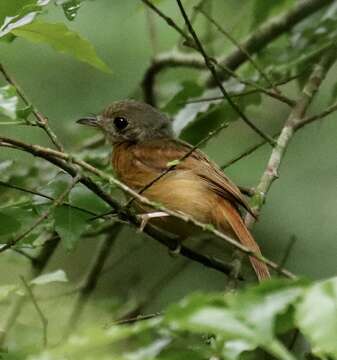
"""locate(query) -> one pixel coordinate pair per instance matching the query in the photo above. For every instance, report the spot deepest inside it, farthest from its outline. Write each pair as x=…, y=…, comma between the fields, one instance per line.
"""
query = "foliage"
x=255, y=322
x=202, y=326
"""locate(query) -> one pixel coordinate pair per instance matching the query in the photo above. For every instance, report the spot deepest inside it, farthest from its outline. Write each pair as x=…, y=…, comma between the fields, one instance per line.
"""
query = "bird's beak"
x=89, y=120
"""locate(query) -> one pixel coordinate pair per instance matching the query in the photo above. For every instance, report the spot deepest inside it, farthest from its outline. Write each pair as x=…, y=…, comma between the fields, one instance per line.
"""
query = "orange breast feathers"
x=196, y=187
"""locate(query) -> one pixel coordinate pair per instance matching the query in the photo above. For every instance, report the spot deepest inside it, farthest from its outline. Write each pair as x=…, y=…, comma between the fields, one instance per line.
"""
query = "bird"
x=143, y=146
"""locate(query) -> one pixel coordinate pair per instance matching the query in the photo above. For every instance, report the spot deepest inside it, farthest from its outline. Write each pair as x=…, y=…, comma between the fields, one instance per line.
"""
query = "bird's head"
x=130, y=120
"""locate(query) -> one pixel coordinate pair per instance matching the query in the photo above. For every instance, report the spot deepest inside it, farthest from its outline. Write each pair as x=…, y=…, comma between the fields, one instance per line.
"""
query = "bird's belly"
x=182, y=192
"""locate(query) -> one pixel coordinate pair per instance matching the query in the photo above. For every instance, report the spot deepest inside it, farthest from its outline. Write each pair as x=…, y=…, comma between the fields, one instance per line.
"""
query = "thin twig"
x=256, y=88
x=57, y=202
x=288, y=250
x=241, y=48
x=41, y=121
x=319, y=116
x=210, y=64
x=151, y=25
x=37, y=193
x=91, y=277
x=300, y=125
x=245, y=153
x=170, y=22
x=275, y=95
x=44, y=320
x=137, y=318
x=37, y=266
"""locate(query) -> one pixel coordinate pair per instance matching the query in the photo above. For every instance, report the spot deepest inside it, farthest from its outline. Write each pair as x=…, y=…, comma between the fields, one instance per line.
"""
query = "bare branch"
x=167, y=61
x=91, y=277
x=269, y=31
x=288, y=130
x=246, y=153
x=42, y=317
x=169, y=22
x=316, y=117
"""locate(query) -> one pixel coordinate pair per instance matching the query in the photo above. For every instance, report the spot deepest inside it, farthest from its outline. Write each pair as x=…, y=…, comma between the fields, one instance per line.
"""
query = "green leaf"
x=70, y=225
x=17, y=13
x=206, y=122
x=6, y=291
x=316, y=317
x=55, y=276
x=62, y=39
x=82, y=197
x=9, y=224
x=24, y=112
x=188, y=90
x=243, y=321
x=8, y=101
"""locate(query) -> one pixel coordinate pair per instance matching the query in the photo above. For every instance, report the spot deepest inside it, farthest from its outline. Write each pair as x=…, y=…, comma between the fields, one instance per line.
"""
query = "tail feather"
x=233, y=218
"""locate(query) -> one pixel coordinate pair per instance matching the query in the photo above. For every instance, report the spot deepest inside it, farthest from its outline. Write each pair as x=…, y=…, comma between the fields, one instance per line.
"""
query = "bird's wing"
x=157, y=155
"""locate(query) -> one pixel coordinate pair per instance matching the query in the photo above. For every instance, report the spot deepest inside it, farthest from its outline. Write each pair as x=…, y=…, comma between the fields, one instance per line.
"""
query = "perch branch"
x=58, y=158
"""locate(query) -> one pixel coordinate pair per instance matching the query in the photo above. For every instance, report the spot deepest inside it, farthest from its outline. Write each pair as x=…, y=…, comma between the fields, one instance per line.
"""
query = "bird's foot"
x=145, y=218
x=176, y=251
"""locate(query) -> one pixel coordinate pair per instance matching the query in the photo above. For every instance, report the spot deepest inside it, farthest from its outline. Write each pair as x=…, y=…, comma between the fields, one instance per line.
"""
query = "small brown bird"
x=144, y=145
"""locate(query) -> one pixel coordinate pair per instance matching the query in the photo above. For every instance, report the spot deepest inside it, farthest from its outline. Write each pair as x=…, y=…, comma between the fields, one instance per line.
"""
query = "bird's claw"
x=145, y=218
x=176, y=251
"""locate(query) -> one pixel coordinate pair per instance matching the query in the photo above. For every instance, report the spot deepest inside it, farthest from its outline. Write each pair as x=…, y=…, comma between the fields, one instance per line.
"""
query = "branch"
x=296, y=117
x=246, y=153
x=164, y=62
x=41, y=121
x=241, y=48
x=170, y=22
x=37, y=266
x=255, y=42
x=44, y=320
x=319, y=116
x=209, y=63
x=268, y=32
x=58, y=158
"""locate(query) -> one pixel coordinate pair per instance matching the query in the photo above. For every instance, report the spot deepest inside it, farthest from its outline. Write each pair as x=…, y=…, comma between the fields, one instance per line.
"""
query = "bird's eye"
x=120, y=122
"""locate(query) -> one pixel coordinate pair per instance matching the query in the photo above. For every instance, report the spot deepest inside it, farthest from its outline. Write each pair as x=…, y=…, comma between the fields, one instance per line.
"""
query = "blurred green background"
x=302, y=203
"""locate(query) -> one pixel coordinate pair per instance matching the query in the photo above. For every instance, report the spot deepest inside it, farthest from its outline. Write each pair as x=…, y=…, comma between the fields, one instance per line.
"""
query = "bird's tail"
x=228, y=215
